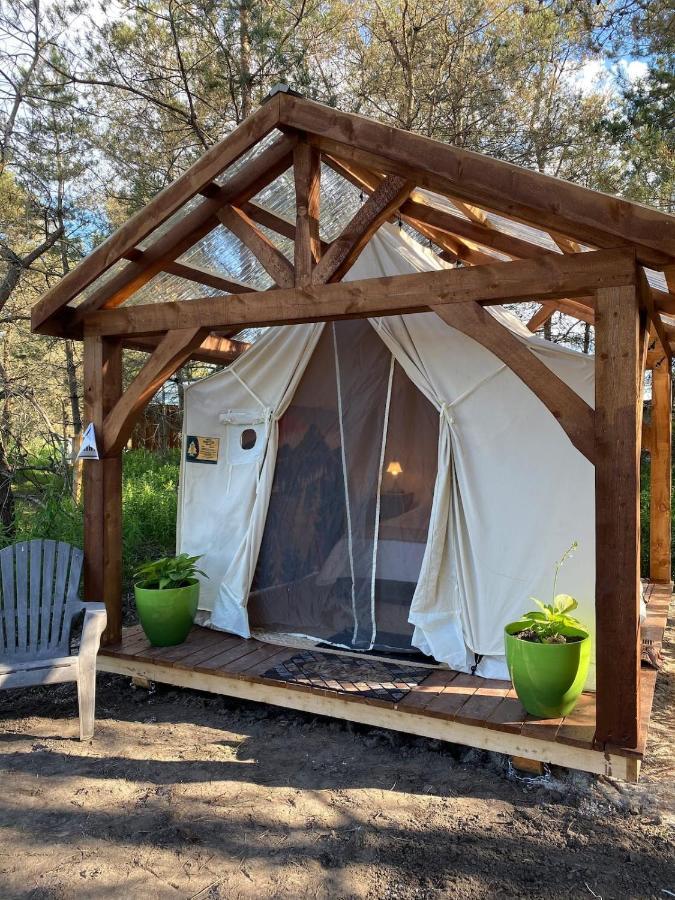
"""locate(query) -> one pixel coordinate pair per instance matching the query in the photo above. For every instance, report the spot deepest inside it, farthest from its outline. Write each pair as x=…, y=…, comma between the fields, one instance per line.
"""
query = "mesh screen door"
x=351, y=499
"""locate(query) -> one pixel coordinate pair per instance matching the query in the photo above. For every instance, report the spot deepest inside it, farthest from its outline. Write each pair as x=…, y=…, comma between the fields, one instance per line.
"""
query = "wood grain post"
x=618, y=396
x=103, y=486
x=660, y=474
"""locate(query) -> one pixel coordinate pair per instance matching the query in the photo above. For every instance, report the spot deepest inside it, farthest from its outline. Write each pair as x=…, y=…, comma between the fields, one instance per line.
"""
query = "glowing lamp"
x=394, y=468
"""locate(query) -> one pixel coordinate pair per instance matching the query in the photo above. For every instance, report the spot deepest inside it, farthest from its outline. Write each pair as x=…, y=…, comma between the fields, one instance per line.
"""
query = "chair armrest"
x=95, y=620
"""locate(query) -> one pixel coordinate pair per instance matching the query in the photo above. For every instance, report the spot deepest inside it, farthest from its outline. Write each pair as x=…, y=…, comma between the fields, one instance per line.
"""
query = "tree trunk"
x=245, y=57
x=587, y=337
x=7, y=506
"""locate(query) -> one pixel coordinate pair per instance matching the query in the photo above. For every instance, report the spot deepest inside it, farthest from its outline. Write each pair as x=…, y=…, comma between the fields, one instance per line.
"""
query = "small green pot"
x=548, y=678
x=167, y=615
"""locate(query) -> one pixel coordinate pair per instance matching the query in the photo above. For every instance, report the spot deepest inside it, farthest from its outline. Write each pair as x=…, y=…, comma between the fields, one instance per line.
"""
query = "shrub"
x=149, y=507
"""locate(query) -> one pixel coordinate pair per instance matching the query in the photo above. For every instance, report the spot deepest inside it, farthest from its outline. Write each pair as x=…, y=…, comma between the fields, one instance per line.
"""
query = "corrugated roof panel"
x=103, y=279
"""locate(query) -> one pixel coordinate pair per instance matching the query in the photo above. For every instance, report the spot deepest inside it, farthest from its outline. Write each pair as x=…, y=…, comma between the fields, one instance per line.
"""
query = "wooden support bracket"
x=575, y=416
x=171, y=353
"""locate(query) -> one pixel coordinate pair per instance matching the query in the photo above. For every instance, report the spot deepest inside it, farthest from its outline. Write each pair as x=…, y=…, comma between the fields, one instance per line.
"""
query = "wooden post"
x=307, y=173
x=103, y=486
x=660, y=474
x=618, y=396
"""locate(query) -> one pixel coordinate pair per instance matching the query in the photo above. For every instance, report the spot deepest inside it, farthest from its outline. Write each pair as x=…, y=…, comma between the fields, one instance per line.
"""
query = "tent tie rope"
x=477, y=658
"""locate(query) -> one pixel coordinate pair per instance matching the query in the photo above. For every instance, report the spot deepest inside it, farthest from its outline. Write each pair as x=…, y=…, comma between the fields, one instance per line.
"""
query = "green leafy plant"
x=168, y=572
x=546, y=625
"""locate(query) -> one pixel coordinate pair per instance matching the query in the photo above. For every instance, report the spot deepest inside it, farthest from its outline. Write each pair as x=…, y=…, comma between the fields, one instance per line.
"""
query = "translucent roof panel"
x=339, y=201
x=114, y=270
x=656, y=280
x=222, y=252
x=499, y=223
x=164, y=288
x=245, y=158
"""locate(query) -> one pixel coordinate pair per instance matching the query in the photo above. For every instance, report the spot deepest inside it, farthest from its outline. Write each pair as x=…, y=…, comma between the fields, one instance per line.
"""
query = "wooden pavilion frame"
x=597, y=274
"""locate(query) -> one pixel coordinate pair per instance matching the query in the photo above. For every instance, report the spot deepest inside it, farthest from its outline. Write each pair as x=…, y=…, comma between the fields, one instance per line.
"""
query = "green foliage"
x=552, y=618
x=149, y=507
x=547, y=623
x=168, y=572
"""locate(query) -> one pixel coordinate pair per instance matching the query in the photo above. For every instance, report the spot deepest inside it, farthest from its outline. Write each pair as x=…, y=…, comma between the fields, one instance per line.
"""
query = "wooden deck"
x=447, y=705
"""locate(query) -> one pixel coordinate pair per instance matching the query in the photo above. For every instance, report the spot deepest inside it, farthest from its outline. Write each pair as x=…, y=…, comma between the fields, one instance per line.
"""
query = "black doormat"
x=368, y=678
x=339, y=642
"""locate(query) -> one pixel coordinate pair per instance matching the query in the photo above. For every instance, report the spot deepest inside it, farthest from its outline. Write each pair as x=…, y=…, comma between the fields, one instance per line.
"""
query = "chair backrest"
x=38, y=580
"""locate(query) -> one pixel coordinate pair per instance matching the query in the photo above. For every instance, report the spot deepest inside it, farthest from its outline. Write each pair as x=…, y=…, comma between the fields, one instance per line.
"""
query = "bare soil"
x=185, y=795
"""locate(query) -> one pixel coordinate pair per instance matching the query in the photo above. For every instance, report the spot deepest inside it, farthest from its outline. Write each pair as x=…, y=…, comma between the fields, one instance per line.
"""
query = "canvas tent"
x=386, y=483
x=213, y=256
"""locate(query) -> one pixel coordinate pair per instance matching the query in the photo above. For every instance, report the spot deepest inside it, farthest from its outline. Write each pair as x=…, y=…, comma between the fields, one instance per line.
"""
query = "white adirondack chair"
x=38, y=602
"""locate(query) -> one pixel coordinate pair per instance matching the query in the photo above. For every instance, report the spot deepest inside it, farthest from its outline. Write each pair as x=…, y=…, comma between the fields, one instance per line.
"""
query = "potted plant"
x=167, y=595
x=548, y=652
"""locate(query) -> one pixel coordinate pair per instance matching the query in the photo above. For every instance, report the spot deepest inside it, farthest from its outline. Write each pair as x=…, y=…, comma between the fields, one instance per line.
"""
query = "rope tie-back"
x=447, y=405
x=350, y=542
x=378, y=500
x=247, y=388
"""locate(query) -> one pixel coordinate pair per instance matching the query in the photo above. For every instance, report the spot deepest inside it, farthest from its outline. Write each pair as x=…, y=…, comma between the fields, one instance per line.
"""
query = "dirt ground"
x=185, y=795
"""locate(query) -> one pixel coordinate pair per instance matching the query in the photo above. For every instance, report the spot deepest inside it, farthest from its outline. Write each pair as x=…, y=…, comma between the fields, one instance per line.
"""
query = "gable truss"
x=603, y=284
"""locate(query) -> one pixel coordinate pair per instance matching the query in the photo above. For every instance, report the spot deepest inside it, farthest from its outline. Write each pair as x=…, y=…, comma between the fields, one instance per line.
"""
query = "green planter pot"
x=548, y=678
x=167, y=615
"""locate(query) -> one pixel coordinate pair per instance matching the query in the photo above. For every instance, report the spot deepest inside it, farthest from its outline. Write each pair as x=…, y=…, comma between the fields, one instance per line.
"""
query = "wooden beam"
x=647, y=299
x=346, y=248
x=188, y=230
x=487, y=237
x=669, y=272
x=566, y=244
x=546, y=278
x=102, y=481
x=450, y=232
x=268, y=255
x=207, y=277
x=660, y=447
x=543, y=201
x=342, y=706
x=307, y=175
x=454, y=246
x=171, y=353
x=268, y=219
x=577, y=310
x=160, y=208
x=618, y=397
x=216, y=349
x=542, y=315
x=271, y=220
x=575, y=416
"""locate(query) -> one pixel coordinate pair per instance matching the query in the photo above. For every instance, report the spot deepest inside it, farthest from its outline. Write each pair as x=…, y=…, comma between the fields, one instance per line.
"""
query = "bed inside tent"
x=386, y=485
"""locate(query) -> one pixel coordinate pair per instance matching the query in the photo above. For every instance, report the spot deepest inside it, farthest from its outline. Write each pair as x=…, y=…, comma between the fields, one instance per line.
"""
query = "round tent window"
x=248, y=439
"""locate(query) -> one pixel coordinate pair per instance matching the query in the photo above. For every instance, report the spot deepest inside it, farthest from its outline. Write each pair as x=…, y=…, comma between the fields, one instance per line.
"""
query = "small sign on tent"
x=200, y=449
x=88, y=448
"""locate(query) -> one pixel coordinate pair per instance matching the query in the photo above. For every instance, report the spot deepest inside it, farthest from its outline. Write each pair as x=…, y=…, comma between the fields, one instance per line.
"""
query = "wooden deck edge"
x=483, y=738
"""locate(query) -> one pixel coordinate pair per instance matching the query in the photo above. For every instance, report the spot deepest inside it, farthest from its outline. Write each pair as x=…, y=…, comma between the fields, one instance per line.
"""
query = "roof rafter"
x=551, y=277
x=208, y=277
x=268, y=254
x=188, y=230
x=345, y=249
x=159, y=209
x=549, y=203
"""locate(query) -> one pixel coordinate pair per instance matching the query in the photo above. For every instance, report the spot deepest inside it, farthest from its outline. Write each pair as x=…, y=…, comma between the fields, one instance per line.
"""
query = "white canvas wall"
x=511, y=492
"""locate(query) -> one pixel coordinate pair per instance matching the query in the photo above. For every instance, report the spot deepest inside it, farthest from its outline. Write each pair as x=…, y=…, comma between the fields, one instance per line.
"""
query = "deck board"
x=481, y=712
x=508, y=716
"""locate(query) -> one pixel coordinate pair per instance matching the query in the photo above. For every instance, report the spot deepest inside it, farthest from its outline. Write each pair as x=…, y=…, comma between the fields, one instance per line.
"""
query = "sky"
x=602, y=74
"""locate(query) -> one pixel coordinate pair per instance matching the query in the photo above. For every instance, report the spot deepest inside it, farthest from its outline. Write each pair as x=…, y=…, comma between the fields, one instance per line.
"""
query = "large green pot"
x=548, y=678
x=167, y=615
